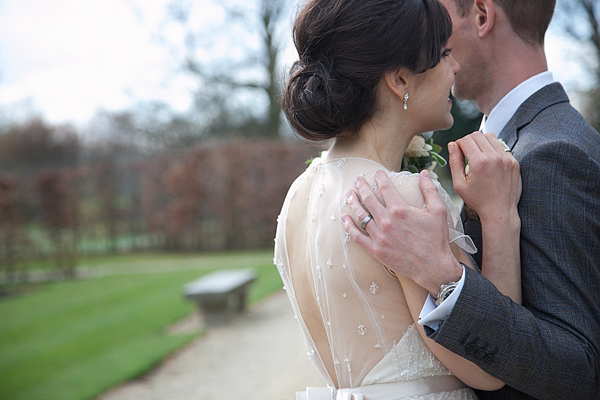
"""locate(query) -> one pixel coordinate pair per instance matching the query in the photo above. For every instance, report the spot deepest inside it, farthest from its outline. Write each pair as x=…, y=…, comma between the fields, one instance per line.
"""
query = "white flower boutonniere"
x=421, y=155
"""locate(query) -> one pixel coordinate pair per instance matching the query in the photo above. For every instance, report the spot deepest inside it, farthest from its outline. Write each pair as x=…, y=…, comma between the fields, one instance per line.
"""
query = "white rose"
x=418, y=147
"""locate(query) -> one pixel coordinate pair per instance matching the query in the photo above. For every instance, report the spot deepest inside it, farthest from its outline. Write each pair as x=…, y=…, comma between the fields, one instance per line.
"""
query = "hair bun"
x=316, y=101
x=313, y=76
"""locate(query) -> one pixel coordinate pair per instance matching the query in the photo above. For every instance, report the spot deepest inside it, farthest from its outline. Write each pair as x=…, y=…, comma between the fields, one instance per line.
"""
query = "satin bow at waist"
x=385, y=391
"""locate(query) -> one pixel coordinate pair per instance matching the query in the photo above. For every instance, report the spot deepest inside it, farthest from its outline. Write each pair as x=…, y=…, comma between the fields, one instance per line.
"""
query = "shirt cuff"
x=431, y=315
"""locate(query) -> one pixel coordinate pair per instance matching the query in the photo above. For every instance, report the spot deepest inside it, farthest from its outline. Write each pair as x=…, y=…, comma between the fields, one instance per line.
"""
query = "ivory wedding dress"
x=354, y=318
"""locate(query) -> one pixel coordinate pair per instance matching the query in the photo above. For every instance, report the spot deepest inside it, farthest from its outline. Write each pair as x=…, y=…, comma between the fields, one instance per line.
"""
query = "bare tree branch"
x=261, y=18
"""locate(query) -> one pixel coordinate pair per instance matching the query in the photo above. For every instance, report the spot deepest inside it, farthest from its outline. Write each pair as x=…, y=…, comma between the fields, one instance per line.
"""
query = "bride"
x=371, y=76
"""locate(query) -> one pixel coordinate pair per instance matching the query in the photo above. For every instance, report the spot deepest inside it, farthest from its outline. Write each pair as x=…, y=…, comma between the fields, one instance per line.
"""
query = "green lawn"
x=74, y=340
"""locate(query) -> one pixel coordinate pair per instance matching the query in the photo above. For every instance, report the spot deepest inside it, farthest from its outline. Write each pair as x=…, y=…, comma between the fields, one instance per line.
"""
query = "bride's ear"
x=398, y=81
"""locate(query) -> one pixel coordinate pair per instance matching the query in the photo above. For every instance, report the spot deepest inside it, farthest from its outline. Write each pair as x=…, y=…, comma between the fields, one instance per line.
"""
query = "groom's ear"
x=485, y=16
x=398, y=81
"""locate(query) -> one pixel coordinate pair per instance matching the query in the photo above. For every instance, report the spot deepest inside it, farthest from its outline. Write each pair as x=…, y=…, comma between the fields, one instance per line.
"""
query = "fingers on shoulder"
x=356, y=234
x=367, y=195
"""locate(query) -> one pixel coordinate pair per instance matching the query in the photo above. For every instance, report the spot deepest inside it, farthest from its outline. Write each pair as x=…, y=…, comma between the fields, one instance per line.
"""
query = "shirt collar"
x=507, y=107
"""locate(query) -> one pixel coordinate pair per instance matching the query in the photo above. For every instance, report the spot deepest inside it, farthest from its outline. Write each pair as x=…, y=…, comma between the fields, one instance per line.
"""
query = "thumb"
x=457, y=162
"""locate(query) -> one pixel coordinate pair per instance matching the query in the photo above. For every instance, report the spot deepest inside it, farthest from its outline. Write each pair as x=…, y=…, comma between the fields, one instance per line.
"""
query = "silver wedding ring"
x=507, y=150
x=366, y=221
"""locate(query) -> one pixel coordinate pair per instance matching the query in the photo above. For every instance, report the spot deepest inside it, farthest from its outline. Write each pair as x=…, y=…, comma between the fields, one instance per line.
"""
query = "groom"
x=548, y=348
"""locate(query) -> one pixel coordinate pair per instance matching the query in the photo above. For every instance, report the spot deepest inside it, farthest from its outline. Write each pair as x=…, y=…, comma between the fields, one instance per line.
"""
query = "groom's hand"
x=412, y=242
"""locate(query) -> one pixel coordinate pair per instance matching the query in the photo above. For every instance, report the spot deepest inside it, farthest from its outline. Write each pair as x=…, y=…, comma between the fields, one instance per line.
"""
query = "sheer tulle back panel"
x=352, y=310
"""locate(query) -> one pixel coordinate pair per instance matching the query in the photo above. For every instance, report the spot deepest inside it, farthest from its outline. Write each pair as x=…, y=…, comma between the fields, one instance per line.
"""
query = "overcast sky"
x=70, y=57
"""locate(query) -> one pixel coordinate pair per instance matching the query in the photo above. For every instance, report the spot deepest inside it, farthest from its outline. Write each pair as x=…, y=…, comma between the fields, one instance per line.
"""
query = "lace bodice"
x=351, y=309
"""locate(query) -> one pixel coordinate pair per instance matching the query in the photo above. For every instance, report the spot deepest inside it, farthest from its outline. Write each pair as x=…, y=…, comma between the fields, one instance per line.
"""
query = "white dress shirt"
x=508, y=106
x=431, y=315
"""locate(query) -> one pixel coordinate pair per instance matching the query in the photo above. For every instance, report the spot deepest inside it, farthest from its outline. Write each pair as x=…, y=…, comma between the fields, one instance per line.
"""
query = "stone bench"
x=220, y=294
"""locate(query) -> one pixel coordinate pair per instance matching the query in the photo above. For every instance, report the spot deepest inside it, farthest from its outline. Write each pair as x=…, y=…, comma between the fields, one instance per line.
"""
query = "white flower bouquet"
x=422, y=154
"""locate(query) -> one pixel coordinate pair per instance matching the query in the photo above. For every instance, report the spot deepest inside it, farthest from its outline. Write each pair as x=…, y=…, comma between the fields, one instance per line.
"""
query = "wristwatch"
x=446, y=290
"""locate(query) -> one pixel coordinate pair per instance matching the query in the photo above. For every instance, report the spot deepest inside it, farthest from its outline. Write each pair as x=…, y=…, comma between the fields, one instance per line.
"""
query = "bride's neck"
x=384, y=146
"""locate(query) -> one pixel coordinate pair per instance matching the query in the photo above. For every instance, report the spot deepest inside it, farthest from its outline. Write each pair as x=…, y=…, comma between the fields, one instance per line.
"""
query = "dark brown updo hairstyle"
x=345, y=47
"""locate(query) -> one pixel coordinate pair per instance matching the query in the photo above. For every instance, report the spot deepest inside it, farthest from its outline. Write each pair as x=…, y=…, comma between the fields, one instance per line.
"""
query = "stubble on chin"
x=463, y=90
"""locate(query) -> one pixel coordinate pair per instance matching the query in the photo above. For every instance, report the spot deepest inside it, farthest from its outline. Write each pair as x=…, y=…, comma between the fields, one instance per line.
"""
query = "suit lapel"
x=545, y=97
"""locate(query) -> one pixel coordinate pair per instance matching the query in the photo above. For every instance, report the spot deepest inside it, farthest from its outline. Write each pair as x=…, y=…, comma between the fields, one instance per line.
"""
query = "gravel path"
x=257, y=356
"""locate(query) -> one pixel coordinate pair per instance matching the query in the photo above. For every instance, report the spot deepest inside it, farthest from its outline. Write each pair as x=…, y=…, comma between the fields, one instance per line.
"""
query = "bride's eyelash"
x=446, y=53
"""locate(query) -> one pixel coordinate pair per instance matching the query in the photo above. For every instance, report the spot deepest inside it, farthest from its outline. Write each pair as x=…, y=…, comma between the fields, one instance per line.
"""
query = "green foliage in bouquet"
x=422, y=155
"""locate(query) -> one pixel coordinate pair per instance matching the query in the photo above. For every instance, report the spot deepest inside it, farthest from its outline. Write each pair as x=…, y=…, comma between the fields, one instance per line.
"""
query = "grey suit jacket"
x=549, y=348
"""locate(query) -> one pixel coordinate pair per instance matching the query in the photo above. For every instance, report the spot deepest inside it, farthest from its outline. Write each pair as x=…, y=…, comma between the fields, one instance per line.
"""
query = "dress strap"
x=386, y=391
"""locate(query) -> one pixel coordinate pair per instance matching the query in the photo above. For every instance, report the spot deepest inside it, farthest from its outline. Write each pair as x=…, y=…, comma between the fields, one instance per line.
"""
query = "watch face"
x=445, y=292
